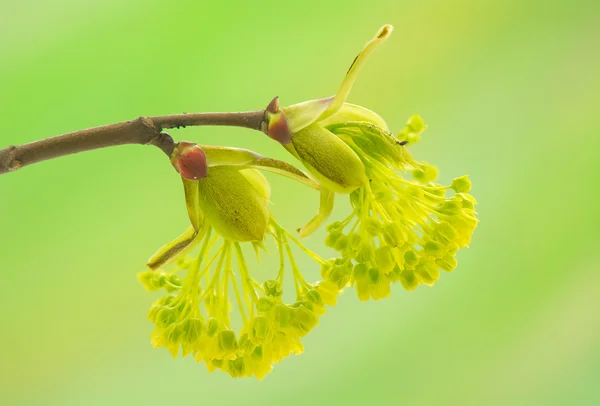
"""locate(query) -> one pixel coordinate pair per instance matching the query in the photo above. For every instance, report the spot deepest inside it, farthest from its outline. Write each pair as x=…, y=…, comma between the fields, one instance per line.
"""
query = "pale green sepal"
x=174, y=249
x=325, y=209
x=375, y=142
x=352, y=112
x=190, y=188
x=245, y=158
x=344, y=90
x=285, y=169
x=219, y=156
x=303, y=114
x=259, y=181
x=258, y=246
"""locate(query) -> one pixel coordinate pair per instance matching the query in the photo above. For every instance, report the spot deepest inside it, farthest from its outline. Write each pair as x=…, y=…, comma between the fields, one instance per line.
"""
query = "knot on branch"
x=8, y=162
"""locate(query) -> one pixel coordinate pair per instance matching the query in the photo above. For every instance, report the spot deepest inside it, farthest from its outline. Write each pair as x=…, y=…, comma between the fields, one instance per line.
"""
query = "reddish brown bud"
x=273, y=107
x=279, y=129
x=189, y=160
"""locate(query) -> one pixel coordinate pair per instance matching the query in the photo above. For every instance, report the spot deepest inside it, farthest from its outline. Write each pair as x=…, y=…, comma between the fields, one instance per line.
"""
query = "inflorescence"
x=403, y=227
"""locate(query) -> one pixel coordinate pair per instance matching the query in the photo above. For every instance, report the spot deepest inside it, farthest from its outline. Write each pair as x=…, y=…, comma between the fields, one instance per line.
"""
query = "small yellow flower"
x=228, y=207
x=404, y=227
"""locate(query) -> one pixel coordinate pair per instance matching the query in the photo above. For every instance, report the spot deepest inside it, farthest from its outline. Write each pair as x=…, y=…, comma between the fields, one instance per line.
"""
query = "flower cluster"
x=404, y=227
x=194, y=317
x=228, y=209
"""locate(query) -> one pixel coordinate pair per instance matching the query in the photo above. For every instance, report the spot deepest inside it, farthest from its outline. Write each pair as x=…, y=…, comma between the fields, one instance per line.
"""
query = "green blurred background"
x=510, y=90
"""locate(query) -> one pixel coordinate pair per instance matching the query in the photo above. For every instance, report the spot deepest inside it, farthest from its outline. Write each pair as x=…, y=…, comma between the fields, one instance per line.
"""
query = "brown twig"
x=143, y=130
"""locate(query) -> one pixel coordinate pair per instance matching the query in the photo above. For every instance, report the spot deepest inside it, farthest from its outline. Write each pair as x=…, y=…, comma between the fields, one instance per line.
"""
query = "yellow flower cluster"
x=404, y=227
x=400, y=229
x=194, y=317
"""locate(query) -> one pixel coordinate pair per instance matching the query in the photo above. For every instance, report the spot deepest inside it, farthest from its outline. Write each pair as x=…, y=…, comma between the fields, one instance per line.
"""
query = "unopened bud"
x=189, y=160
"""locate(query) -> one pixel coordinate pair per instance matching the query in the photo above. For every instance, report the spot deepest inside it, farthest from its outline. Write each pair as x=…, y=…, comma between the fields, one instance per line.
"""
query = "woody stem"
x=143, y=130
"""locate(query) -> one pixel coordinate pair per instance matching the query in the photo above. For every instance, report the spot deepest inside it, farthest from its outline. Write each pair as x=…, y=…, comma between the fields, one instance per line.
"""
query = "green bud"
x=428, y=272
x=176, y=281
x=451, y=207
x=461, y=184
x=272, y=288
x=373, y=226
x=340, y=275
x=360, y=272
x=409, y=280
x=173, y=283
x=374, y=276
x=365, y=253
x=411, y=258
x=192, y=328
x=257, y=354
x=227, y=341
x=394, y=276
x=445, y=232
x=468, y=205
x=329, y=292
x=354, y=240
x=332, y=238
x=392, y=235
x=165, y=317
x=447, y=263
x=260, y=330
x=161, y=280
x=342, y=243
x=146, y=278
x=335, y=226
x=213, y=327
x=303, y=320
x=384, y=258
x=314, y=296
x=245, y=345
x=237, y=367
x=283, y=314
x=426, y=173
x=433, y=248
x=415, y=124
x=468, y=201
x=175, y=333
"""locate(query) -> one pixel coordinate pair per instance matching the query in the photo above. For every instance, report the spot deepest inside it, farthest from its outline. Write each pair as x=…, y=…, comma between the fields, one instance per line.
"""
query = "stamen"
x=295, y=269
x=246, y=278
x=238, y=297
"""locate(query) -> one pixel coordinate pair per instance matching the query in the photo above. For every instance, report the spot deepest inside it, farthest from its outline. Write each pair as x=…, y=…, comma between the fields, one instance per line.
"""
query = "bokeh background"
x=510, y=90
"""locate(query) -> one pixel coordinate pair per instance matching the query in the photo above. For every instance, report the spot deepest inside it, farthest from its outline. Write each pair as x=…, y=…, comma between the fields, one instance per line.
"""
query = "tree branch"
x=143, y=130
